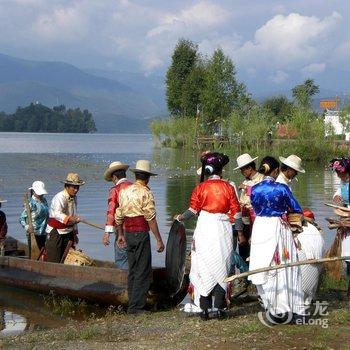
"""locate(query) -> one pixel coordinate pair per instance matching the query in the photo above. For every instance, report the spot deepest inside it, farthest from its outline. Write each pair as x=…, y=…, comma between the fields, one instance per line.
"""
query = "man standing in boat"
x=137, y=213
x=116, y=173
x=62, y=225
x=246, y=164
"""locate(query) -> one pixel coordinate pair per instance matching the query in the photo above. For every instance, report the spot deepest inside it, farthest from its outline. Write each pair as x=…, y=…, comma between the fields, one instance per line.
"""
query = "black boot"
x=222, y=314
x=205, y=315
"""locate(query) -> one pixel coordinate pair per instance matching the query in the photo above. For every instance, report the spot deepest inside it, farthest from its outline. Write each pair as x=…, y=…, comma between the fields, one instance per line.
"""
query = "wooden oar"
x=337, y=207
x=282, y=266
x=33, y=248
x=91, y=224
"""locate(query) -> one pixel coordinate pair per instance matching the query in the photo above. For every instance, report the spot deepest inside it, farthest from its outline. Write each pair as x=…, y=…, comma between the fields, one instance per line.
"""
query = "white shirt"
x=62, y=207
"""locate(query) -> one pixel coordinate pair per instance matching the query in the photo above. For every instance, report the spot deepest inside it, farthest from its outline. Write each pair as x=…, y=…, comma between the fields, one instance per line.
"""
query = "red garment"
x=136, y=224
x=3, y=225
x=57, y=224
x=113, y=203
x=215, y=196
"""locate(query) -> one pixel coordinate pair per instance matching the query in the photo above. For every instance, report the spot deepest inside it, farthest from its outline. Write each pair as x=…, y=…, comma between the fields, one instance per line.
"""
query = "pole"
x=282, y=266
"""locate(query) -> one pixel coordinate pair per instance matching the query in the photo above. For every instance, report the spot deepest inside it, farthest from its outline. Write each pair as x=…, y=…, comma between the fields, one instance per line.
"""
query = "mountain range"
x=118, y=105
x=120, y=101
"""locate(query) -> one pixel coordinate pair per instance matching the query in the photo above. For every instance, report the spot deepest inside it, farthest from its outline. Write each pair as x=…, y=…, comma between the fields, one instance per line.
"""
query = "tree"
x=279, y=106
x=222, y=93
x=184, y=59
x=303, y=93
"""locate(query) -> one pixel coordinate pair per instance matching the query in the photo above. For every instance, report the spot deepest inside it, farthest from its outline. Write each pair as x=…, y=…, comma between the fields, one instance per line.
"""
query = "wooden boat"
x=103, y=284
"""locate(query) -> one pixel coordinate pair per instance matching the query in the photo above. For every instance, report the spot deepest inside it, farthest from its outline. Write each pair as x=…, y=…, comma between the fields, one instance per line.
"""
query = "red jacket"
x=215, y=196
x=113, y=203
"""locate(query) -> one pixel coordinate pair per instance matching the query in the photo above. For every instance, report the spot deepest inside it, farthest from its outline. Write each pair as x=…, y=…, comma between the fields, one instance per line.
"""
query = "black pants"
x=138, y=248
x=218, y=293
x=244, y=249
x=40, y=240
x=56, y=245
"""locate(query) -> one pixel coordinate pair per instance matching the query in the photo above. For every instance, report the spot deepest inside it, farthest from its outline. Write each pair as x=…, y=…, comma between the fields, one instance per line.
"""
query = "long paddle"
x=282, y=266
x=91, y=224
x=337, y=207
x=34, y=251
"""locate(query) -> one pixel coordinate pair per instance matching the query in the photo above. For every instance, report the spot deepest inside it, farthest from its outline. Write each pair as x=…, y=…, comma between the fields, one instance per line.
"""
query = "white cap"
x=39, y=188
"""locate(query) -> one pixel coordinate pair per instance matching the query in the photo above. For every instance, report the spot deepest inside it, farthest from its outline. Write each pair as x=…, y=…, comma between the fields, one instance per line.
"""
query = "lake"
x=26, y=157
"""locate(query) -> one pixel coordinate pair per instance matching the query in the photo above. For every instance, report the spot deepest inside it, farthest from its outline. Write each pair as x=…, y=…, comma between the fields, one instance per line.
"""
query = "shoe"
x=204, y=315
x=222, y=314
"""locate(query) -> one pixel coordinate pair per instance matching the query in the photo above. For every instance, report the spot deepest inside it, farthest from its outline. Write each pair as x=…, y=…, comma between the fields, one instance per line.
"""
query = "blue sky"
x=271, y=42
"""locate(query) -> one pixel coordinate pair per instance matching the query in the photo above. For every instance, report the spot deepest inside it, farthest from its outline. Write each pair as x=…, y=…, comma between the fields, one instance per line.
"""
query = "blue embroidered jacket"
x=40, y=215
x=270, y=198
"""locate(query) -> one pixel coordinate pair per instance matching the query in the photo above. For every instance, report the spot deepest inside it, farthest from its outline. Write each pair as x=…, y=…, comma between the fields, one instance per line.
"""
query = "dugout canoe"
x=103, y=284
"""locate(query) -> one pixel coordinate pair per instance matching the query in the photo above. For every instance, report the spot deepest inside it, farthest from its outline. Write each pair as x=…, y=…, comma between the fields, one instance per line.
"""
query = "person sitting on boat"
x=116, y=172
x=137, y=213
x=3, y=222
x=272, y=244
x=341, y=166
x=246, y=164
x=216, y=203
x=39, y=212
x=290, y=167
x=62, y=225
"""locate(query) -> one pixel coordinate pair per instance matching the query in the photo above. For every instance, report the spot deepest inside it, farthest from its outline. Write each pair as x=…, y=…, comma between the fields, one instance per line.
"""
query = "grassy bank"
x=175, y=330
x=257, y=132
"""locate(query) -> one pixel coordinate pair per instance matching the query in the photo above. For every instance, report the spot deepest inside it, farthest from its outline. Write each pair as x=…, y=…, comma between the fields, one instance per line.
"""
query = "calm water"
x=25, y=157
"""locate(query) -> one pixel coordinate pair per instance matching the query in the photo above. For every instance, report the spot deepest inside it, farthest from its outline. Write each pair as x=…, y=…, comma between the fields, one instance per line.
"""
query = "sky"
x=274, y=43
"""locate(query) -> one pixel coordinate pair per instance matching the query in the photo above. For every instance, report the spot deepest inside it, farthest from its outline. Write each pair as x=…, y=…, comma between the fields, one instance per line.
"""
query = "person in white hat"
x=40, y=213
x=246, y=164
x=290, y=167
x=62, y=225
x=137, y=214
x=3, y=222
x=116, y=172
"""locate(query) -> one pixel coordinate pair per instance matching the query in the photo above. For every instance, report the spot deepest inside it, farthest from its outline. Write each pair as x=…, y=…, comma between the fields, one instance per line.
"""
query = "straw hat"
x=2, y=200
x=243, y=160
x=73, y=179
x=38, y=187
x=143, y=166
x=293, y=162
x=114, y=166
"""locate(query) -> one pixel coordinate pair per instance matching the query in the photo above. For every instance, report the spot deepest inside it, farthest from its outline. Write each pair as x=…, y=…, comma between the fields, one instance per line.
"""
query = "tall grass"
x=255, y=131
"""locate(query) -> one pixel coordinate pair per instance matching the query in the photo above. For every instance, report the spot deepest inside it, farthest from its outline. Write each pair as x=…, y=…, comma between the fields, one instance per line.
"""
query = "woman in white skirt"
x=216, y=203
x=272, y=243
x=341, y=166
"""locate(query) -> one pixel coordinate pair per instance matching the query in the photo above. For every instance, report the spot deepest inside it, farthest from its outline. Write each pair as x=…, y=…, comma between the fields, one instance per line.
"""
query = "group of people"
x=257, y=214
x=260, y=217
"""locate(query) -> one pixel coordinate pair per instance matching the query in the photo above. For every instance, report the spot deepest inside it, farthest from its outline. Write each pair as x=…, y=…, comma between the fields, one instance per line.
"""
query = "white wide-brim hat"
x=293, y=162
x=143, y=166
x=38, y=187
x=2, y=200
x=114, y=166
x=243, y=160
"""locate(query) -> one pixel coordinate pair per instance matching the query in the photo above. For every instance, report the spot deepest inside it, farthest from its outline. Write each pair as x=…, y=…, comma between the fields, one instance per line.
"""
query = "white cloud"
x=204, y=14
x=279, y=77
x=289, y=40
x=64, y=24
x=314, y=68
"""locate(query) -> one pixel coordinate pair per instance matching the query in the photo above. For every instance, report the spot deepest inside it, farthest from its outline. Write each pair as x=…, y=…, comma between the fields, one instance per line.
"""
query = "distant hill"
x=115, y=106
